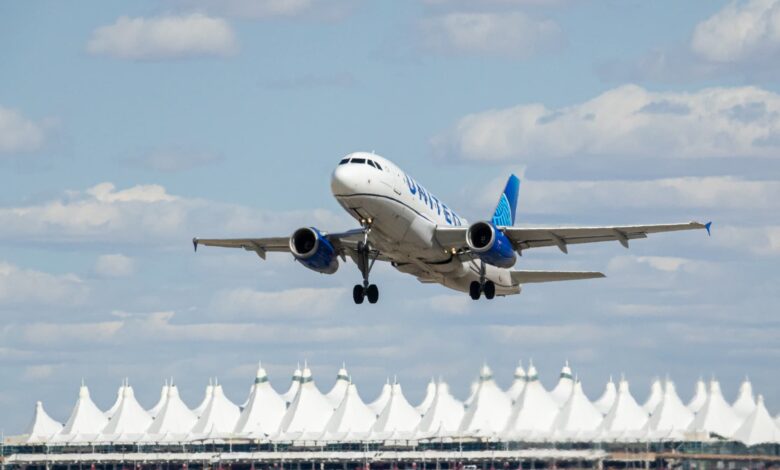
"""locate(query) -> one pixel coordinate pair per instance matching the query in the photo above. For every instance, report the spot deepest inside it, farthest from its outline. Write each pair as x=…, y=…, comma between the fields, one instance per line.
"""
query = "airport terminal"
x=525, y=426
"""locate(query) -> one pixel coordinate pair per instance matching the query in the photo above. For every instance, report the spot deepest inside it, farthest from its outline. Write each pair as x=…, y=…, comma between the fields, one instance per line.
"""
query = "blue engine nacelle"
x=313, y=250
x=491, y=245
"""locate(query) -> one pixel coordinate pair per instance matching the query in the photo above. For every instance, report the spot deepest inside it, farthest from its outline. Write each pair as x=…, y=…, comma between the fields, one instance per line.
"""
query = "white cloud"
x=512, y=34
x=19, y=134
x=146, y=214
x=457, y=304
x=27, y=286
x=164, y=37
x=300, y=302
x=114, y=265
x=742, y=31
x=764, y=240
x=626, y=121
x=37, y=372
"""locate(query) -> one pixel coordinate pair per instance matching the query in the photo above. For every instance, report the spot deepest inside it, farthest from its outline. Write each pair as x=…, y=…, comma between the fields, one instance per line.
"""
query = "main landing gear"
x=365, y=258
x=476, y=288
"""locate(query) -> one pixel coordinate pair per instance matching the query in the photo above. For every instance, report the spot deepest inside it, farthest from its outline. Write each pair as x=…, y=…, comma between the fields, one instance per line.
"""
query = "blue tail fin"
x=504, y=216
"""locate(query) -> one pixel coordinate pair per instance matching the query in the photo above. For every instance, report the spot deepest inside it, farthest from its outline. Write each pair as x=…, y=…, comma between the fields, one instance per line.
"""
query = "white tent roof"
x=430, y=392
x=110, y=412
x=472, y=393
x=656, y=394
x=309, y=411
x=378, y=405
x=534, y=411
x=174, y=416
x=745, y=403
x=86, y=418
x=758, y=427
x=578, y=417
x=42, y=426
x=163, y=396
x=625, y=416
x=716, y=416
x=488, y=412
x=670, y=415
x=605, y=401
x=295, y=384
x=264, y=410
x=444, y=415
x=563, y=389
x=699, y=397
x=206, y=400
x=518, y=384
x=130, y=417
x=336, y=394
x=351, y=417
x=398, y=417
x=220, y=415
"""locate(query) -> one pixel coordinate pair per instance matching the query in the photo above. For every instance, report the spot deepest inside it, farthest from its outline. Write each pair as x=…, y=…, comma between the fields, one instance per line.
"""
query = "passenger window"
x=358, y=160
x=343, y=161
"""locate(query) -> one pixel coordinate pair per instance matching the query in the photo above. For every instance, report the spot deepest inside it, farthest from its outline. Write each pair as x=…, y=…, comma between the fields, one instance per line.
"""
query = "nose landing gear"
x=366, y=258
x=476, y=288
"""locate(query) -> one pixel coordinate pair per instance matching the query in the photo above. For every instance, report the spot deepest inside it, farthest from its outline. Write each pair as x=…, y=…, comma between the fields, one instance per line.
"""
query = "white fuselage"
x=403, y=216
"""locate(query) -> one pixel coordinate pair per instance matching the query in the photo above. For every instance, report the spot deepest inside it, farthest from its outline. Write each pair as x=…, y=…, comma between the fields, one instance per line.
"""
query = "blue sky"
x=128, y=128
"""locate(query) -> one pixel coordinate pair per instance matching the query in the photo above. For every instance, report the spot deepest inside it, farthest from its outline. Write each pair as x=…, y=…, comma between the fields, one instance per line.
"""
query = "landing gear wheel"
x=358, y=294
x=372, y=292
x=490, y=290
x=474, y=290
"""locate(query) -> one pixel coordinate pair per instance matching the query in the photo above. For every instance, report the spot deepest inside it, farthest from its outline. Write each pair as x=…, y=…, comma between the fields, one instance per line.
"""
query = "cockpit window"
x=371, y=162
x=358, y=160
x=377, y=165
x=343, y=161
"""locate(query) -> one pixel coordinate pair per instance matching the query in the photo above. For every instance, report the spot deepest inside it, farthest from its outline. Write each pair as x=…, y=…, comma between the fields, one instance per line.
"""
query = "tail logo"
x=503, y=215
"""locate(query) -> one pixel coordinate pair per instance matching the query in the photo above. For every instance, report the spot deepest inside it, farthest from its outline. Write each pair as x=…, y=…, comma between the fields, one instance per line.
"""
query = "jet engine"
x=313, y=250
x=491, y=245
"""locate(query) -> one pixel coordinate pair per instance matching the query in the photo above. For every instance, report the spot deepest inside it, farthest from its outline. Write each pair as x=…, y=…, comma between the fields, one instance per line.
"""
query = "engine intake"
x=491, y=245
x=313, y=250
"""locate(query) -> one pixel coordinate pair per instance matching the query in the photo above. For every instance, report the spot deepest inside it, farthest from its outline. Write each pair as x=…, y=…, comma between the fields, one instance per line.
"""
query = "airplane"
x=403, y=223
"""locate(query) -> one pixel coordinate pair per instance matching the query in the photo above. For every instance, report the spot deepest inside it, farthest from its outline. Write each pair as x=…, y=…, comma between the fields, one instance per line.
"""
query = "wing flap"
x=529, y=277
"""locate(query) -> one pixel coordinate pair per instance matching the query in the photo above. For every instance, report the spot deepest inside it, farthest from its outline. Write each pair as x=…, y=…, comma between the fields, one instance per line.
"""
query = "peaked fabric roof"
x=578, y=417
x=533, y=414
x=351, y=417
x=264, y=410
x=625, y=417
x=295, y=384
x=744, y=404
x=309, y=411
x=488, y=412
x=130, y=417
x=198, y=410
x=758, y=428
x=671, y=417
x=472, y=393
x=564, y=387
x=42, y=426
x=398, y=417
x=430, y=392
x=86, y=418
x=605, y=401
x=110, y=412
x=699, y=396
x=444, y=415
x=518, y=384
x=656, y=394
x=174, y=416
x=716, y=416
x=336, y=394
x=378, y=405
x=220, y=415
x=163, y=396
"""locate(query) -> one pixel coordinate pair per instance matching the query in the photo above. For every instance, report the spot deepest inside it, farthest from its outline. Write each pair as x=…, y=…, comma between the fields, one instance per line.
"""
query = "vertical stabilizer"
x=504, y=215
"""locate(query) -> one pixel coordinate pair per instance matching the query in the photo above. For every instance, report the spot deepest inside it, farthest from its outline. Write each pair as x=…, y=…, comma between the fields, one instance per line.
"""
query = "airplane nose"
x=340, y=181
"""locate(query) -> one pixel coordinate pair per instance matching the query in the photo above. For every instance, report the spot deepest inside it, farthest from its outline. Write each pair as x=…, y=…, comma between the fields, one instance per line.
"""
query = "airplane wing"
x=528, y=277
x=535, y=237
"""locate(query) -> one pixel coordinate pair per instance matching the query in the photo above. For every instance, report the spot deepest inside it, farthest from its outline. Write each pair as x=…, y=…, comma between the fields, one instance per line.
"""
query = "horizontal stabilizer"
x=528, y=277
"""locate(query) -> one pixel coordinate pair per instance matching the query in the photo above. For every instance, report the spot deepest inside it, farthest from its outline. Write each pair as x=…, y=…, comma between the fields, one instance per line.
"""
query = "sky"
x=127, y=128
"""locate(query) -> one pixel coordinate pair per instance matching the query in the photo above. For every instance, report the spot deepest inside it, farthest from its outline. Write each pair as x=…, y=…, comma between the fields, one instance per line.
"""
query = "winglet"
x=708, y=225
x=195, y=243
